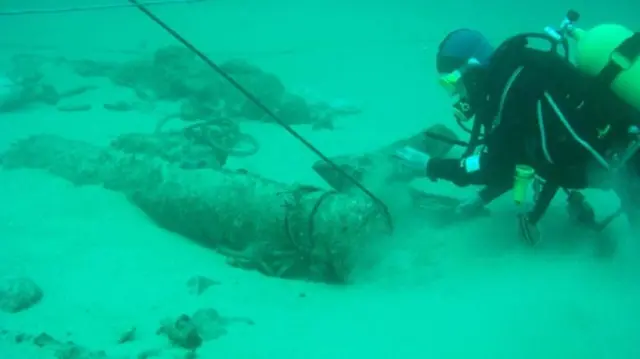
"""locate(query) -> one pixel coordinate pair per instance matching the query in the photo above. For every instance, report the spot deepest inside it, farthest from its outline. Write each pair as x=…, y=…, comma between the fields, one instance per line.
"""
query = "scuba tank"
x=609, y=53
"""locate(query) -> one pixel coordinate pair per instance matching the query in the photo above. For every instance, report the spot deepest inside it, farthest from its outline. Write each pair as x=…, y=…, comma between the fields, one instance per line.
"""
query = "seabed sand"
x=468, y=291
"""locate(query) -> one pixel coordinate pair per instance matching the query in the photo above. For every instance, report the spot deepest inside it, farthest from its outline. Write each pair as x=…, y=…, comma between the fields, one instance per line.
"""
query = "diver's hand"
x=471, y=207
x=528, y=230
x=412, y=161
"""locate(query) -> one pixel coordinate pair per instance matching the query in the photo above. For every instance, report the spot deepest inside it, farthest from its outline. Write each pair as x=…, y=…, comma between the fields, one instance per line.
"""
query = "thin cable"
x=264, y=108
x=91, y=8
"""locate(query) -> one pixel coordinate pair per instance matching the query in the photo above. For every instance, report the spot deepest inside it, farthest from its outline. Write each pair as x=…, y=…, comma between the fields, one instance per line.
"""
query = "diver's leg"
x=628, y=190
x=571, y=179
x=580, y=210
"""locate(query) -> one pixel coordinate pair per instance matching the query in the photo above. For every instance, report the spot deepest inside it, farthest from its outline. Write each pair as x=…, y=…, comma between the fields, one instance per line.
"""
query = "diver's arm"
x=496, y=163
x=628, y=191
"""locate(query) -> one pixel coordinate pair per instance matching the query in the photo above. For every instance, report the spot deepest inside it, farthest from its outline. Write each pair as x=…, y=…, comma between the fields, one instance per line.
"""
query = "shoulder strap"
x=621, y=59
x=505, y=60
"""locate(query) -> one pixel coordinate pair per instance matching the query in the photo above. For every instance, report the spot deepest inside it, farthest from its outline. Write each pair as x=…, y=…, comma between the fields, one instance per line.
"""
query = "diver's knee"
x=633, y=217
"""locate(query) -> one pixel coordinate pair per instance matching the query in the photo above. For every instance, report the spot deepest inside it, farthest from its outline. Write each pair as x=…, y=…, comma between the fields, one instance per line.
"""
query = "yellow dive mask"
x=452, y=82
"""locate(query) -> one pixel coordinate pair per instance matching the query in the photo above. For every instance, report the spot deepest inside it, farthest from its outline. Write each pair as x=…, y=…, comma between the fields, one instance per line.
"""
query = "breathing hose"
x=265, y=109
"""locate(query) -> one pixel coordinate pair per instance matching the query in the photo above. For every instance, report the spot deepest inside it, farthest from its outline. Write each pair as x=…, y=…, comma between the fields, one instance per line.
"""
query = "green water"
x=471, y=290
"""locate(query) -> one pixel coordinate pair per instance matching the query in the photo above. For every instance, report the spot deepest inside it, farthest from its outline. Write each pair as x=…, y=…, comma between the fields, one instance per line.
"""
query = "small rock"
x=19, y=338
x=74, y=351
x=43, y=340
x=199, y=284
x=209, y=323
x=46, y=94
x=19, y=293
x=119, y=106
x=128, y=336
x=324, y=122
x=182, y=332
x=294, y=110
x=149, y=353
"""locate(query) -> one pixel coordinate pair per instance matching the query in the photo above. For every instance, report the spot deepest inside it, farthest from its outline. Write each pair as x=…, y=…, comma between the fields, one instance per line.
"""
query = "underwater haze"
x=151, y=209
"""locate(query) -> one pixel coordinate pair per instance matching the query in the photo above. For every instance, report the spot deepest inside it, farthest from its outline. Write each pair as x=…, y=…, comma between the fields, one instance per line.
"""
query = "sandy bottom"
x=470, y=291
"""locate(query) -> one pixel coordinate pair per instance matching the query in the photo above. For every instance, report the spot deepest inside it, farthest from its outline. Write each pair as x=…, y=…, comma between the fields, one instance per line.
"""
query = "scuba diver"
x=535, y=114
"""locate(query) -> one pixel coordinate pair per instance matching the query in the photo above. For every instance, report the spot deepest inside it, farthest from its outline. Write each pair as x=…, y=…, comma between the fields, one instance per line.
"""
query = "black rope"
x=264, y=108
x=447, y=140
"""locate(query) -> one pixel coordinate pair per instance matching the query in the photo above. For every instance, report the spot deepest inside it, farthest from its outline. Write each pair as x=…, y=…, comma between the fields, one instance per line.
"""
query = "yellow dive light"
x=521, y=182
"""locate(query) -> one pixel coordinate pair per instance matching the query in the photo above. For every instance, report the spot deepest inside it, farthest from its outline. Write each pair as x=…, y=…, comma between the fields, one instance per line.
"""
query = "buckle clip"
x=620, y=60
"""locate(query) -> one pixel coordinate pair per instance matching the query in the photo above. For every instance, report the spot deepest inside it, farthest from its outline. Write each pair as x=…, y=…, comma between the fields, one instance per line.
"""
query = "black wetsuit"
x=536, y=109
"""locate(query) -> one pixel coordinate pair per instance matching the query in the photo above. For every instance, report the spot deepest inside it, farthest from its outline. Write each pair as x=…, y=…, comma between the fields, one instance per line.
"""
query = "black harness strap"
x=624, y=55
